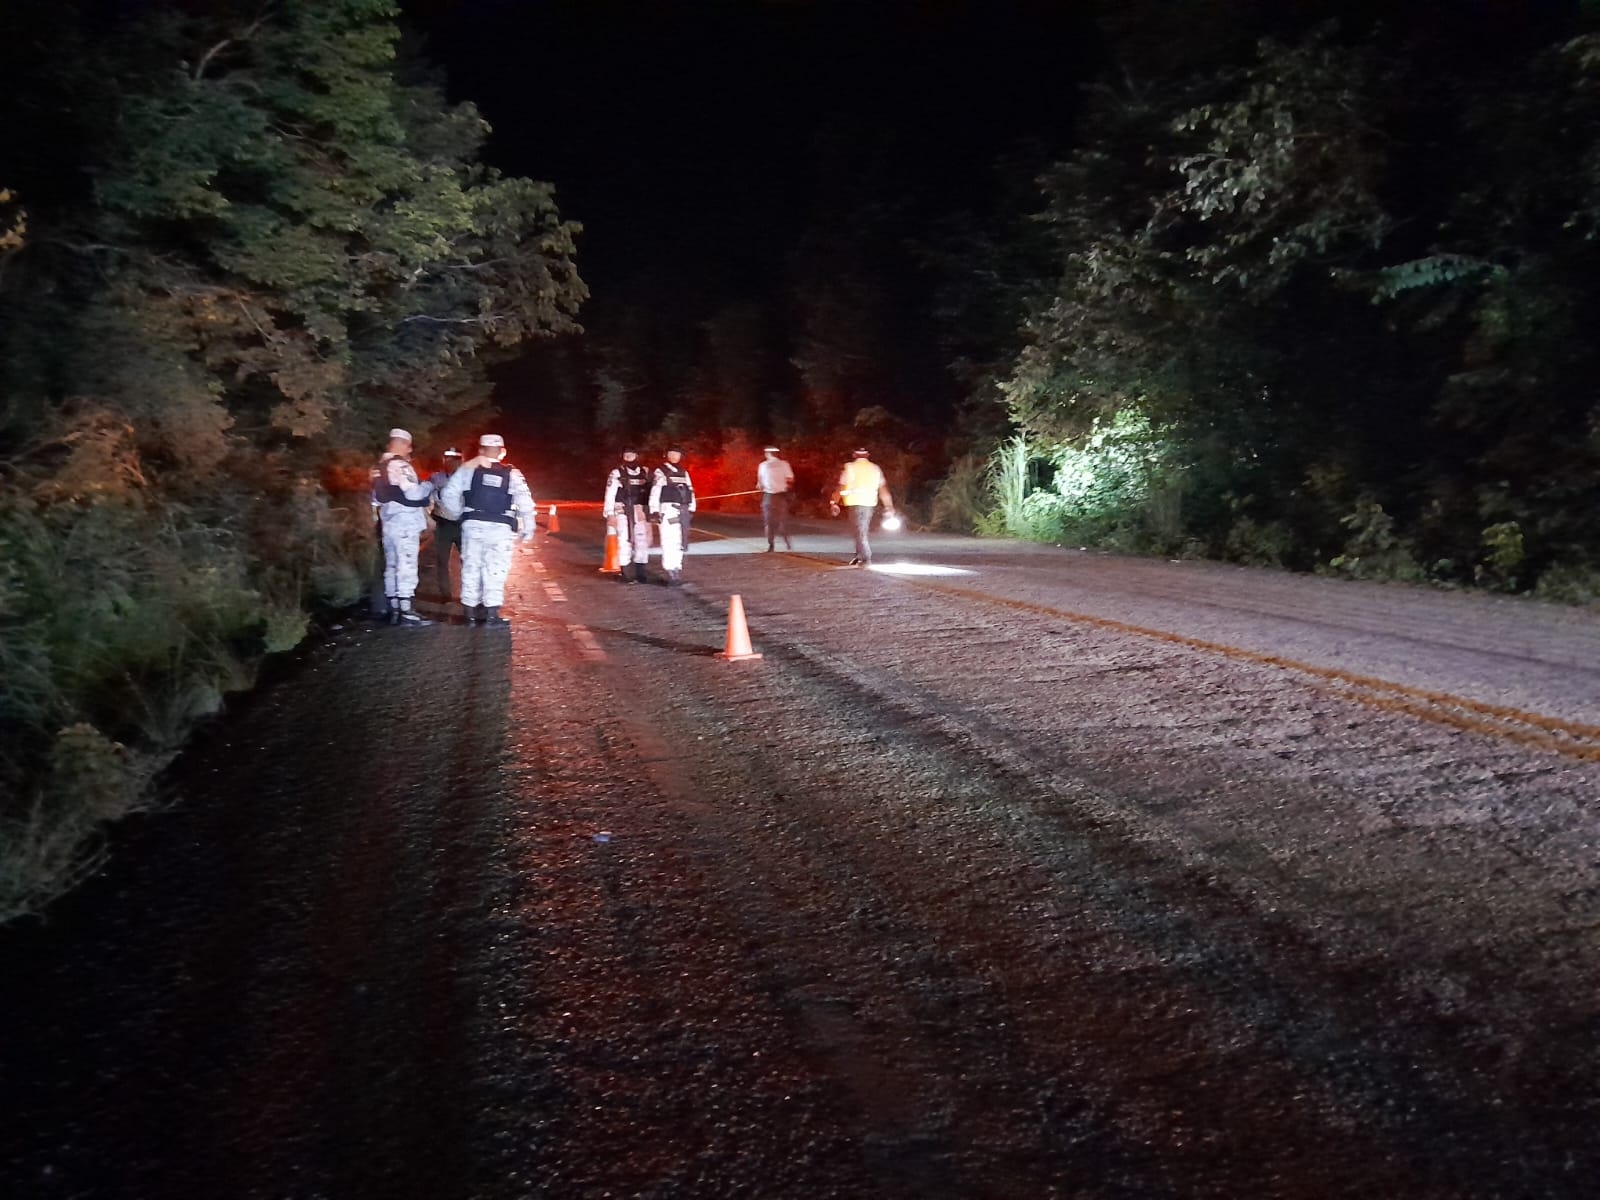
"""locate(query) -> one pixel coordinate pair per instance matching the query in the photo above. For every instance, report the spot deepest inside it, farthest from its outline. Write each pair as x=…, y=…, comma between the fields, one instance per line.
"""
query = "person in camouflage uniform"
x=495, y=507
x=624, y=509
x=402, y=501
x=672, y=506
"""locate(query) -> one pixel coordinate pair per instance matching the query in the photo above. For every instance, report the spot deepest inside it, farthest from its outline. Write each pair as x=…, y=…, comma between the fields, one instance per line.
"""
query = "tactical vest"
x=677, y=489
x=489, y=497
x=384, y=492
x=633, y=484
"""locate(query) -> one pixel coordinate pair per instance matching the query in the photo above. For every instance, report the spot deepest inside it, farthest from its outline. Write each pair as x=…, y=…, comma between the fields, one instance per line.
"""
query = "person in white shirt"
x=775, y=479
x=446, y=533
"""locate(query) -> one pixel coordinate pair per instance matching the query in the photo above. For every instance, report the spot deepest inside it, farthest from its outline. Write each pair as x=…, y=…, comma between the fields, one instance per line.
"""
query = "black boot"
x=674, y=578
x=405, y=616
x=491, y=616
x=394, y=610
x=475, y=614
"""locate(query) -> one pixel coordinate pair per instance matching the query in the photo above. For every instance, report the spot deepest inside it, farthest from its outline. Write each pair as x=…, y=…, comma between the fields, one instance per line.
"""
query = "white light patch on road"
x=906, y=568
x=554, y=591
x=725, y=546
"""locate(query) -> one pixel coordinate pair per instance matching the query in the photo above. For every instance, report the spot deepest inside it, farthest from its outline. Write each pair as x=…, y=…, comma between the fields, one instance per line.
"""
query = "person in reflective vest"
x=861, y=489
x=495, y=507
x=625, y=507
x=446, y=533
x=402, y=501
x=672, y=510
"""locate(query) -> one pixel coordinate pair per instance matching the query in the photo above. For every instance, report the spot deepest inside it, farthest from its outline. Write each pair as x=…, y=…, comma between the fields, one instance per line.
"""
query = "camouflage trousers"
x=485, y=562
x=634, y=548
x=400, y=560
x=671, y=537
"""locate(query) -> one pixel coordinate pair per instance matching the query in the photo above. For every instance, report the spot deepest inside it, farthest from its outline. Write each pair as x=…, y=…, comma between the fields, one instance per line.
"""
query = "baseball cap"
x=770, y=450
x=452, y=453
x=860, y=453
x=492, y=441
x=399, y=433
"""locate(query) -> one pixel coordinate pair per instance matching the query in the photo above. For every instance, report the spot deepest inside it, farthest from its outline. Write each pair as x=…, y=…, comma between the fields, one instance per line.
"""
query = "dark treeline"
x=1307, y=284
x=239, y=242
x=763, y=186
x=1317, y=287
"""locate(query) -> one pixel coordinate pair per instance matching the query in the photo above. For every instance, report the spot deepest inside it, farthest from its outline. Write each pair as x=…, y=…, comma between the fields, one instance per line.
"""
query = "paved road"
x=1006, y=871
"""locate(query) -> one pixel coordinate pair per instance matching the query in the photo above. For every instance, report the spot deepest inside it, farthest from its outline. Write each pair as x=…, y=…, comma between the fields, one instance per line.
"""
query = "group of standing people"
x=483, y=506
x=861, y=489
x=638, y=499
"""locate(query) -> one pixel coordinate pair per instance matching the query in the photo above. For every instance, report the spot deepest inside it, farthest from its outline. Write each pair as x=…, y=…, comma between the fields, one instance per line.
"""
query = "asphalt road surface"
x=1006, y=871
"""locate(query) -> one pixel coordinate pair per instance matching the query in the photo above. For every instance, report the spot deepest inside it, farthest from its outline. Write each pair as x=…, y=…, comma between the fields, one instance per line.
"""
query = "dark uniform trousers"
x=446, y=534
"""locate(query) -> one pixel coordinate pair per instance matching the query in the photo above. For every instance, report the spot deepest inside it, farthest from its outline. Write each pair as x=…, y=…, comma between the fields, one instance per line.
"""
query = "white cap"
x=492, y=441
x=770, y=450
x=452, y=453
x=399, y=433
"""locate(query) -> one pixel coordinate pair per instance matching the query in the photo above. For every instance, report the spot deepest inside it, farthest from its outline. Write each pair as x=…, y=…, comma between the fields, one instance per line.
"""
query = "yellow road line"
x=1569, y=738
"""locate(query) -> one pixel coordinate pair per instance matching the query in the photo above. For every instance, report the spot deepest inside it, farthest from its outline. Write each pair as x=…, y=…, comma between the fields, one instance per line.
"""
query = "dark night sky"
x=683, y=134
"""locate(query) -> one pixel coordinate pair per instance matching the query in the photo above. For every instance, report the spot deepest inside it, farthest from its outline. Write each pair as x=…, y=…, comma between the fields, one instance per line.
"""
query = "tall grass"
x=1021, y=509
x=125, y=618
x=963, y=497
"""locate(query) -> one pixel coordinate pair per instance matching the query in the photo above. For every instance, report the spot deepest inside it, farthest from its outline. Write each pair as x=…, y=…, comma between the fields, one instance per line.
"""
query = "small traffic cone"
x=738, y=635
x=555, y=521
x=612, y=563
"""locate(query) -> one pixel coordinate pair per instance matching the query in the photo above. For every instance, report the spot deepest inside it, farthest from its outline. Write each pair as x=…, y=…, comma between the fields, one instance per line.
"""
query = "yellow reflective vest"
x=859, y=483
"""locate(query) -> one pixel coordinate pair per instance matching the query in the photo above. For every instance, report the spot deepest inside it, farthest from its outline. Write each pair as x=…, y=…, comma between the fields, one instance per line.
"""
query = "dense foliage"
x=1344, y=282
x=237, y=246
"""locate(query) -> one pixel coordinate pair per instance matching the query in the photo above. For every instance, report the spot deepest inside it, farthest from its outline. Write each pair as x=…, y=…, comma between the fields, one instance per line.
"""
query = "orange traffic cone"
x=612, y=565
x=555, y=521
x=738, y=635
